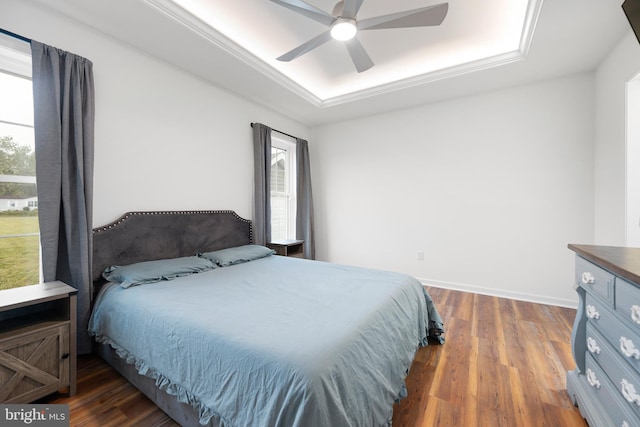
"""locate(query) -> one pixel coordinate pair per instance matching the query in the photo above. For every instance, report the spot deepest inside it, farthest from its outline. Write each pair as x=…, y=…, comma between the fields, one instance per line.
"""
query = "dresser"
x=606, y=336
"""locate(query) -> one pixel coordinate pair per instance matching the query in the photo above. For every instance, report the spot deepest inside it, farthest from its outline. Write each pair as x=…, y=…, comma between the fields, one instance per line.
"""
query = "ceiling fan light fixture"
x=344, y=29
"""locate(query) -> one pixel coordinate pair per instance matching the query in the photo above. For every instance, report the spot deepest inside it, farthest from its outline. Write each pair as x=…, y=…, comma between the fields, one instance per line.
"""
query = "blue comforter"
x=274, y=342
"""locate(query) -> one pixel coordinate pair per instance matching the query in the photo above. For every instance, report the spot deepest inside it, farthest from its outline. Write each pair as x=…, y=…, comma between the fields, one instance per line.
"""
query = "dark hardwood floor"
x=504, y=364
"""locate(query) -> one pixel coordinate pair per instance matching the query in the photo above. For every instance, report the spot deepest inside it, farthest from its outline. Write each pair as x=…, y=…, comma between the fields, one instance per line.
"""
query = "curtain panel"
x=304, y=211
x=262, y=190
x=63, y=95
x=262, y=184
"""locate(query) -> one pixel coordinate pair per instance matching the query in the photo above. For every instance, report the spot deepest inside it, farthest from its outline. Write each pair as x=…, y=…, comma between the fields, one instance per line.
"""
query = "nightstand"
x=37, y=341
x=294, y=248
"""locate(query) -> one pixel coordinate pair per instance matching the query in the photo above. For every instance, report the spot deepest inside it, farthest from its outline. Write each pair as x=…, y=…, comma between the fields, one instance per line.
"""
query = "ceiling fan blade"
x=358, y=55
x=306, y=47
x=307, y=10
x=350, y=8
x=423, y=17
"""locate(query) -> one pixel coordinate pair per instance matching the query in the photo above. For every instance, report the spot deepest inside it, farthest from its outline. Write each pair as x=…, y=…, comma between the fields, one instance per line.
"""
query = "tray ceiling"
x=479, y=47
x=474, y=35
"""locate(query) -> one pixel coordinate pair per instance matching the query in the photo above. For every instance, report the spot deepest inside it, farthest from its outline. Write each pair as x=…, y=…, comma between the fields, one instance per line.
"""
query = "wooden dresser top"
x=621, y=261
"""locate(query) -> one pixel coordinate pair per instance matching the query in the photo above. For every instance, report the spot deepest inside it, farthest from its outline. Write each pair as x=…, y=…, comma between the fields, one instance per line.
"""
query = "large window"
x=283, y=188
x=19, y=230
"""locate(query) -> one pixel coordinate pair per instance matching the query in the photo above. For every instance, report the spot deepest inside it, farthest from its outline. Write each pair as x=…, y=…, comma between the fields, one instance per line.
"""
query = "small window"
x=19, y=228
x=283, y=188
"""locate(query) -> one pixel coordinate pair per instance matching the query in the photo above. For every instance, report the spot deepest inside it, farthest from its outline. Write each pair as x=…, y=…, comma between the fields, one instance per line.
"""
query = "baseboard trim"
x=501, y=293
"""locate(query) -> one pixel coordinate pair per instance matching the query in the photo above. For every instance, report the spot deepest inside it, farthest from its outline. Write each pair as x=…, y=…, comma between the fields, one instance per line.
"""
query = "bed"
x=220, y=332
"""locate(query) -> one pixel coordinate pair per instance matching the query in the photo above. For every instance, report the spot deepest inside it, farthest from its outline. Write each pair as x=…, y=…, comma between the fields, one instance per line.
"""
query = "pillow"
x=154, y=271
x=237, y=255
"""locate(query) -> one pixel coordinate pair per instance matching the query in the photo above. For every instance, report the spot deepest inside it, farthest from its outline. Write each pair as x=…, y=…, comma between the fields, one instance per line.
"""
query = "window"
x=19, y=229
x=283, y=188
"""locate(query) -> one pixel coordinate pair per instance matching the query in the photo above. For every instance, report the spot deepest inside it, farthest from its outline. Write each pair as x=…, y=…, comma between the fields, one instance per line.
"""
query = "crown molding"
x=202, y=29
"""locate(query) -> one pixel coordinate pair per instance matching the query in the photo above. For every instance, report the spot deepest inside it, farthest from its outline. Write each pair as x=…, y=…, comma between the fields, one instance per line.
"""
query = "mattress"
x=274, y=342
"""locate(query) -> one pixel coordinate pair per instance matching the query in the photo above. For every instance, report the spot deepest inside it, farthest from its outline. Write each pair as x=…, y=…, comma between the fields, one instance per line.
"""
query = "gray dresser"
x=606, y=336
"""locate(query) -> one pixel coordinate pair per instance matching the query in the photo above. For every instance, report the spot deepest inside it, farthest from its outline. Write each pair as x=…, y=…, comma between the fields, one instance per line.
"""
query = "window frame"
x=287, y=144
x=15, y=60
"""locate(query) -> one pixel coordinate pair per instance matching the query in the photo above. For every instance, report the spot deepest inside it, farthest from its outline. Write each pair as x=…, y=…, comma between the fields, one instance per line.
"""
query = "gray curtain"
x=63, y=96
x=262, y=184
x=304, y=212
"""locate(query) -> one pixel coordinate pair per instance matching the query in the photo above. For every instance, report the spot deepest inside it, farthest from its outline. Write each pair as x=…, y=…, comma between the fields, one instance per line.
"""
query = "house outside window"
x=283, y=188
x=19, y=228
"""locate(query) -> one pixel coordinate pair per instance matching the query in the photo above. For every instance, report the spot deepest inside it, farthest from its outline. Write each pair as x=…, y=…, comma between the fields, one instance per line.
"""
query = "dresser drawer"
x=625, y=340
x=598, y=346
x=605, y=391
x=594, y=279
x=626, y=381
x=627, y=297
x=598, y=312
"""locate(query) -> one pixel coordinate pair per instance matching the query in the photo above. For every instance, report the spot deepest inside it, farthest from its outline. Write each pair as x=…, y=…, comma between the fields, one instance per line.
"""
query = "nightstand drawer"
x=26, y=375
x=594, y=279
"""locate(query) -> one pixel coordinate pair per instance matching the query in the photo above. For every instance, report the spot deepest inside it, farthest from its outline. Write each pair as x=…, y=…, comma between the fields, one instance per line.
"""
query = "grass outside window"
x=20, y=255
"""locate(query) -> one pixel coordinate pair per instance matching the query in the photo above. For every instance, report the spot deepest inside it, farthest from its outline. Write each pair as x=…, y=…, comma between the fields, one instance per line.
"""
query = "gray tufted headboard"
x=146, y=236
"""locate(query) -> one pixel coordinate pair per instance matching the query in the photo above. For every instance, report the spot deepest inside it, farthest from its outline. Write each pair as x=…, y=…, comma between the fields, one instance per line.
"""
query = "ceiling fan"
x=343, y=25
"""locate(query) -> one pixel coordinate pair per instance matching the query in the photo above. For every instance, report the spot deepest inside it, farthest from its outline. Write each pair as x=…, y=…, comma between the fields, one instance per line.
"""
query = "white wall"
x=164, y=139
x=632, y=157
x=492, y=188
x=611, y=77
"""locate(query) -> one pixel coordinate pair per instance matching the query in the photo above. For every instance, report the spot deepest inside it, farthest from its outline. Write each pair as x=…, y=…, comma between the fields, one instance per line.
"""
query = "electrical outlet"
x=420, y=255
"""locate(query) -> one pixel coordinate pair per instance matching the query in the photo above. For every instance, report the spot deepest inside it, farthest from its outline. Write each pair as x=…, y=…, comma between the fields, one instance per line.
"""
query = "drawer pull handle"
x=593, y=346
x=592, y=379
x=592, y=312
x=629, y=392
x=628, y=348
x=587, y=278
x=635, y=313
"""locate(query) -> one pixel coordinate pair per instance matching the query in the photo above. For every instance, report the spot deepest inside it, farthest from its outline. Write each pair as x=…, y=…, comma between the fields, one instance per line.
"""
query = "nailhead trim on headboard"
x=145, y=236
x=130, y=214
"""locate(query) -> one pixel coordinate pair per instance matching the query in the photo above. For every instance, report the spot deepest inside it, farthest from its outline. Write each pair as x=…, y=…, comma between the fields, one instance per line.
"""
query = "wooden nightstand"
x=287, y=247
x=37, y=341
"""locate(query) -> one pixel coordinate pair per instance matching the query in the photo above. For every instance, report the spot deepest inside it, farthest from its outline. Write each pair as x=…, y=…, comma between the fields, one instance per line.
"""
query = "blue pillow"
x=154, y=271
x=237, y=255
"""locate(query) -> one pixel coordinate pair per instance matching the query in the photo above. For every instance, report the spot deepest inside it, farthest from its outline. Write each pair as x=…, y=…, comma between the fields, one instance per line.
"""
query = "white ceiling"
x=472, y=35
x=480, y=46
